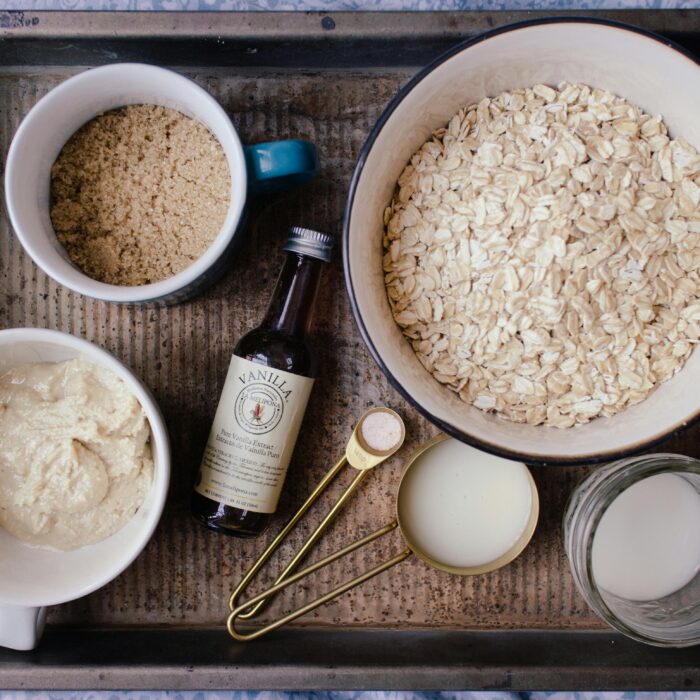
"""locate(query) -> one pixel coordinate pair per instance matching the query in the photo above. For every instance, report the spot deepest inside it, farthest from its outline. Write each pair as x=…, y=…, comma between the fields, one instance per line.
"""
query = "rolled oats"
x=542, y=254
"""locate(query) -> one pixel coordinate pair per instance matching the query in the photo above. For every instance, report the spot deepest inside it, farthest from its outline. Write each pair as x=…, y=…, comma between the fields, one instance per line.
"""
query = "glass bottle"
x=263, y=400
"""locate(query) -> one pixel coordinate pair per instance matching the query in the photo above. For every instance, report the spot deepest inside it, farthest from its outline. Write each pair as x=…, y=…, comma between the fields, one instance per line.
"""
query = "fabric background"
x=341, y=5
x=348, y=695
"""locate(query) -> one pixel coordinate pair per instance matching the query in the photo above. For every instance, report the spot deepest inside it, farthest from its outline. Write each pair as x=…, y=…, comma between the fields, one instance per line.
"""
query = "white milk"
x=647, y=545
x=463, y=507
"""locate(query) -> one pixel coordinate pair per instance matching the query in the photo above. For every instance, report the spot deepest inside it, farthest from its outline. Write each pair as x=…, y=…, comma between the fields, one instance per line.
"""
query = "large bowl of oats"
x=522, y=241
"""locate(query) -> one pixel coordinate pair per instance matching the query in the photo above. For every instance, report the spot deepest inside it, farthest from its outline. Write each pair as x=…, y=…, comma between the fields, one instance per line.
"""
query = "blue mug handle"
x=278, y=165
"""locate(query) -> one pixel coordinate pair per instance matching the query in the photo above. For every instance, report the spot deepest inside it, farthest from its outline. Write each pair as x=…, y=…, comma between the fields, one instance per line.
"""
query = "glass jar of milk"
x=632, y=536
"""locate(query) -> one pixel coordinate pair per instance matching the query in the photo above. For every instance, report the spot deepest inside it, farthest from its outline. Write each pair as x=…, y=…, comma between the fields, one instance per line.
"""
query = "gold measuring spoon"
x=418, y=507
x=358, y=454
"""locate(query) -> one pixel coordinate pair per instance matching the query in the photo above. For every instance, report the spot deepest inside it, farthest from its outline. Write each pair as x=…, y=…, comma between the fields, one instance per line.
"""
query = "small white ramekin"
x=32, y=578
x=57, y=116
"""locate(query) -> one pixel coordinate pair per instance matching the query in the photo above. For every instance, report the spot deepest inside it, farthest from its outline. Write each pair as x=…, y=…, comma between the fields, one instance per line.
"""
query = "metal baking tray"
x=325, y=77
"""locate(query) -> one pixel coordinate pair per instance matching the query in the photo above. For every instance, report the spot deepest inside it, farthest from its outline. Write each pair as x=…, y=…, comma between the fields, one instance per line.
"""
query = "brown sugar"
x=138, y=194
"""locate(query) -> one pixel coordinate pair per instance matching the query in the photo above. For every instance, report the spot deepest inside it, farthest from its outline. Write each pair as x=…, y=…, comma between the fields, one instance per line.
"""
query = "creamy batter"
x=75, y=453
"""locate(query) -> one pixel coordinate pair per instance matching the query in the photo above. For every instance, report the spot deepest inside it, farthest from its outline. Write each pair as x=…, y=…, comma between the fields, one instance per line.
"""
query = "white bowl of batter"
x=34, y=577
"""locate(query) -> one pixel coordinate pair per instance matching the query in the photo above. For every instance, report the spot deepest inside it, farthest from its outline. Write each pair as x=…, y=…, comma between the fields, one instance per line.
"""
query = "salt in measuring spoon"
x=377, y=435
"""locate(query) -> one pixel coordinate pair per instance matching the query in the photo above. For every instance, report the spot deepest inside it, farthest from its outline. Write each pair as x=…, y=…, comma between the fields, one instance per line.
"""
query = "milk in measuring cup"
x=465, y=508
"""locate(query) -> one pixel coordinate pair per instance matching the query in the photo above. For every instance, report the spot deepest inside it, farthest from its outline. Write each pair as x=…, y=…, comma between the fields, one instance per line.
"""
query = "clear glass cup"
x=671, y=621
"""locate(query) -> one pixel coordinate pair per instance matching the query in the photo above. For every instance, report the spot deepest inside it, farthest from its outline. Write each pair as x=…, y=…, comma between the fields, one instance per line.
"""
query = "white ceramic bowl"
x=57, y=116
x=647, y=70
x=32, y=578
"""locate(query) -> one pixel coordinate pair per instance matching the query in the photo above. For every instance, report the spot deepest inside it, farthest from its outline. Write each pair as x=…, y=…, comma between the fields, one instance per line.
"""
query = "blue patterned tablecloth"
x=346, y=695
x=341, y=5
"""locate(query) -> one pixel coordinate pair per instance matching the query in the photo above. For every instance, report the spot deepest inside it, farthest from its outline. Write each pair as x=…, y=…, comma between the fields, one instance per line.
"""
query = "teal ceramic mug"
x=259, y=168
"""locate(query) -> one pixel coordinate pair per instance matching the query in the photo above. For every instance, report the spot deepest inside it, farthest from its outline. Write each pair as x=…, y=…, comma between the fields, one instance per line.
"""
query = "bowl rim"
x=169, y=287
x=160, y=436
x=461, y=434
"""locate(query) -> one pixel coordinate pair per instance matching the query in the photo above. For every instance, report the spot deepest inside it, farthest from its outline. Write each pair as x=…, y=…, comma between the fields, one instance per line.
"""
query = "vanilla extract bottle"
x=263, y=400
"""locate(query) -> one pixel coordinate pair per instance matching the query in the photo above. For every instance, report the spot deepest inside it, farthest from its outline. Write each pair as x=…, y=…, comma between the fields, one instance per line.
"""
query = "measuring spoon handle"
x=235, y=614
x=310, y=542
x=270, y=549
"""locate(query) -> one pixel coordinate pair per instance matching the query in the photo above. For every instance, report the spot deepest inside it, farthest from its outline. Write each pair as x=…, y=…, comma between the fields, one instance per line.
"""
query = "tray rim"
x=335, y=659
x=306, y=26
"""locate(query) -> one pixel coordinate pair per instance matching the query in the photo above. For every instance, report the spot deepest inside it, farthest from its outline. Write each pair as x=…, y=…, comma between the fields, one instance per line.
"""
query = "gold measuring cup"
x=358, y=454
x=411, y=548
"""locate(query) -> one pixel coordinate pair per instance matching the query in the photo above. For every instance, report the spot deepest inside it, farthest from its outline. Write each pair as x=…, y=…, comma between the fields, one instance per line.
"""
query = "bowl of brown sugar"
x=128, y=183
x=138, y=194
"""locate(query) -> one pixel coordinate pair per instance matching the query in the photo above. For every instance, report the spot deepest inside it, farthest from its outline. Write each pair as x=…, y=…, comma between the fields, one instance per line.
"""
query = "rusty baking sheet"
x=325, y=78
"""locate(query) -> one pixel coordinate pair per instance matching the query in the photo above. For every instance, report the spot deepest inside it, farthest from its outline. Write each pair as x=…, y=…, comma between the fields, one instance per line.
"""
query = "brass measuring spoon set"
x=361, y=456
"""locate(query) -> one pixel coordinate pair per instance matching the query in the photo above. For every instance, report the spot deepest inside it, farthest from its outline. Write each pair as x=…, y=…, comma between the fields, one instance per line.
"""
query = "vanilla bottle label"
x=253, y=436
